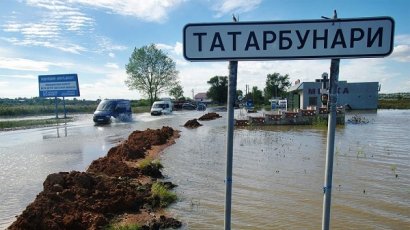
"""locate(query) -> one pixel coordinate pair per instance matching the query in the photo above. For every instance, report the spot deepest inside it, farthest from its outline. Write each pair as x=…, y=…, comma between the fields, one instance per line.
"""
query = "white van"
x=161, y=107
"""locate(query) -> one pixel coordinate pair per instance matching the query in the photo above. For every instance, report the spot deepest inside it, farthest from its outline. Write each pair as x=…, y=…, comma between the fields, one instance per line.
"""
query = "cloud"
x=105, y=44
x=111, y=55
x=3, y=84
x=403, y=39
x=151, y=11
x=48, y=26
x=234, y=6
x=110, y=85
x=27, y=64
x=9, y=89
x=401, y=53
x=20, y=76
x=112, y=65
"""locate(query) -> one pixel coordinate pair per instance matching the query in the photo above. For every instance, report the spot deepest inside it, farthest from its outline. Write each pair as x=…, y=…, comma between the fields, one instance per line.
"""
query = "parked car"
x=201, y=107
x=188, y=106
x=117, y=108
x=161, y=107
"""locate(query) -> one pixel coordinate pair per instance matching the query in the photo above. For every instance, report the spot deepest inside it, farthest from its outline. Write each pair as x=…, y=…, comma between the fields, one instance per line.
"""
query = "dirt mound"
x=209, y=116
x=192, y=124
x=134, y=148
x=110, y=187
x=79, y=200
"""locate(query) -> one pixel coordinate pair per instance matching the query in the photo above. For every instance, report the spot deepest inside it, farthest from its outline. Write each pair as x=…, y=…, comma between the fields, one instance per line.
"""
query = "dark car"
x=117, y=108
x=188, y=106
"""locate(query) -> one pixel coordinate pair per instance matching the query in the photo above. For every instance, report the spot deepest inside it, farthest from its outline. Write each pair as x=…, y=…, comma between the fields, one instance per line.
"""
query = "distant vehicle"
x=161, y=107
x=249, y=106
x=201, y=107
x=168, y=100
x=117, y=108
x=188, y=106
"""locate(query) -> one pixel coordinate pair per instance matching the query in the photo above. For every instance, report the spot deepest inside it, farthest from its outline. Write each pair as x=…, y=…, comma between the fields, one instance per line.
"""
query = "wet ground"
x=278, y=171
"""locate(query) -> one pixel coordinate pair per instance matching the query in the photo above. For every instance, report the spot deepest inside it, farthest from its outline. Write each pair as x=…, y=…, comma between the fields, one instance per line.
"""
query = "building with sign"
x=356, y=95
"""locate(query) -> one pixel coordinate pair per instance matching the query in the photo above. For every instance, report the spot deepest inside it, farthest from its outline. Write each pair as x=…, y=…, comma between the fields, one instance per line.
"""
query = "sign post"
x=287, y=40
x=330, y=147
x=233, y=70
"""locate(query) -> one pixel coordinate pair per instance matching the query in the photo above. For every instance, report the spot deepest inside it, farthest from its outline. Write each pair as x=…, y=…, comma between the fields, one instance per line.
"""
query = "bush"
x=149, y=163
x=123, y=227
x=162, y=194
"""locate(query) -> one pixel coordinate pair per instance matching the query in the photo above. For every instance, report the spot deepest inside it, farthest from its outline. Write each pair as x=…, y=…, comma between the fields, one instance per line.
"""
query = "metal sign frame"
x=195, y=35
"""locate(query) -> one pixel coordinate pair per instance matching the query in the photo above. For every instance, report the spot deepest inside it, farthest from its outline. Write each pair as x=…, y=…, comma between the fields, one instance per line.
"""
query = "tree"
x=276, y=85
x=219, y=89
x=257, y=96
x=150, y=71
x=177, y=92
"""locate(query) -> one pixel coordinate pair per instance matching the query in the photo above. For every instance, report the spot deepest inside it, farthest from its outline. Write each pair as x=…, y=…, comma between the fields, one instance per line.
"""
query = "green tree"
x=177, y=92
x=257, y=96
x=218, y=91
x=276, y=85
x=150, y=71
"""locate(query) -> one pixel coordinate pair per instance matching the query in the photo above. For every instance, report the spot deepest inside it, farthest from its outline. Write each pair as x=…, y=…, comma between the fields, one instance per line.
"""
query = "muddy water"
x=278, y=175
x=278, y=171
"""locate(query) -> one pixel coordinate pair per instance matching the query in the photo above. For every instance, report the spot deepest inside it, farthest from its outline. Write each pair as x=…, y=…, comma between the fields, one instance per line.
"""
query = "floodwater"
x=277, y=171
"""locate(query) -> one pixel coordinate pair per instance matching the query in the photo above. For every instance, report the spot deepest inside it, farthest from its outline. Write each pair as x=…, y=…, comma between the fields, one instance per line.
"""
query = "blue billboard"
x=60, y=85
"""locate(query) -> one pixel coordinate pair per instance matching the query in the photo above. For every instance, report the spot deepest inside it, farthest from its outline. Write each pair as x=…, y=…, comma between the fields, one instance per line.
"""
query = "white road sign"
x=307, y=39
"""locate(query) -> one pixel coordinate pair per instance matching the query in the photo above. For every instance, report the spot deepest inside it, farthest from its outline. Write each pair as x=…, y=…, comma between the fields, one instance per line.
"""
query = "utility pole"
x=330, y=148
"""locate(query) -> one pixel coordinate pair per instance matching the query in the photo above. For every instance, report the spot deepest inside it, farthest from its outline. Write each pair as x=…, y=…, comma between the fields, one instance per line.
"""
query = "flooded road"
x=278, y=171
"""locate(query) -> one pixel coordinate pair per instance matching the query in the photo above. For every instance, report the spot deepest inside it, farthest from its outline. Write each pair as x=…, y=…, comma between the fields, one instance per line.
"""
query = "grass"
x=123, y=227
x=400, y=103
x=141, y=109
x=319, y=121
x=149, y=163
x=31, y=123
x=361, y=153
x=26, y=110
x=165, y=196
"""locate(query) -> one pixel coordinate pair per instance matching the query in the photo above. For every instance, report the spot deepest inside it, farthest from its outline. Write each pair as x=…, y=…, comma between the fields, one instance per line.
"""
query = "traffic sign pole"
x=233, y=70
x=330, y=148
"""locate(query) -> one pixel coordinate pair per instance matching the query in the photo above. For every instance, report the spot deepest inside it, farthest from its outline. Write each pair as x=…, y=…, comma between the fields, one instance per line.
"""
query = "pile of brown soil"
x=209, y=116
x=192, y=124
x=109, y=188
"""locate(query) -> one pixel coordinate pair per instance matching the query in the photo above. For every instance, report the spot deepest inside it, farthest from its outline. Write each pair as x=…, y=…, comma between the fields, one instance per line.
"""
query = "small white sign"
x=307, y=39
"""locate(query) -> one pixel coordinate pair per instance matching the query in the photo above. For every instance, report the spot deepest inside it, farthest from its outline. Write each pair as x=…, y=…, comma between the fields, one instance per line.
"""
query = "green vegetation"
x=45, y=106
x=394, y=103
x=151, y=72
x=393, y=168
x=148, y=163
x=361, y=153
x=319, y=121
x=141, y=109
x=123, y=227
x=31, y=123
x=37, y=106
x=25, y=110
x=218, y=91
x=162, y=194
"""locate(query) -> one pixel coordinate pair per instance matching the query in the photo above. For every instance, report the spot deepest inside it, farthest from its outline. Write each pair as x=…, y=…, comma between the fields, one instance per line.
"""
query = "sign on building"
x=306, y=39
x=61, y=85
